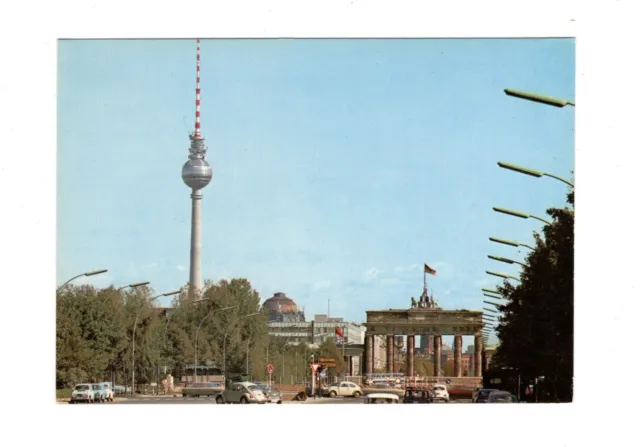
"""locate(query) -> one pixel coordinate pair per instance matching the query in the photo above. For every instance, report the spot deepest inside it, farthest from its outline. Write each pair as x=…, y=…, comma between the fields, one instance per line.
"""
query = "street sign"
x=270, y=368
x=314, y=367
x=327, y=360
x=329, y=365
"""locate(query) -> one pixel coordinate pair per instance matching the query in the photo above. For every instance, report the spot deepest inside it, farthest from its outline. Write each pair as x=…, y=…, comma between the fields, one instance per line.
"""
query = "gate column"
x=437, y=345
x=368, y=355
x=457, y=356
x=411, y=344
x=477, y=358
x=390, y=340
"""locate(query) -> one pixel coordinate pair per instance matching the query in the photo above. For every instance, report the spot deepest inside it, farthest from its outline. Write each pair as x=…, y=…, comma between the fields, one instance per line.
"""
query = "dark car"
x=417, y=396
x=502, y=397
x=482, y=395
x=489, y=396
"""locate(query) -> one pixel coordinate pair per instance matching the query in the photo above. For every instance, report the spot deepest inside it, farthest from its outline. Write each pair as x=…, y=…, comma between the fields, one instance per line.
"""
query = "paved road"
x=164, y=400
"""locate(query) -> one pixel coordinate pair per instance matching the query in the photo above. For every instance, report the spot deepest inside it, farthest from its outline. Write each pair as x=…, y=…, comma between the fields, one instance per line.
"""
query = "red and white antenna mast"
x=197, y=133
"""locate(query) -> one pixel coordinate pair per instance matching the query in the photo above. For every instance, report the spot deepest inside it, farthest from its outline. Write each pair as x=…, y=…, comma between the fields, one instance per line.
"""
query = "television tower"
x=197, y=174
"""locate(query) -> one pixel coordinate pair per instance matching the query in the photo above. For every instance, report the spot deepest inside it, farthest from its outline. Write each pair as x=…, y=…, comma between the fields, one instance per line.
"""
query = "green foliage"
x=95, y=332
x=423, y=367
x=328, y=349
x=536, y=329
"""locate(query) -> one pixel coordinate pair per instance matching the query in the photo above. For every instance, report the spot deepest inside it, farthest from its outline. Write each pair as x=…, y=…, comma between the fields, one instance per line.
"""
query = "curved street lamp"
x=166, y=324
x=532, y=172
x=133, y=286
x=195, y=358
x=133, y=342
x=505, y=260
x=224, y=342
x=512, y=243
x=94, y=272
x=495, y=304
x=519, y=214
x=502, y=275
x=542, y=99
x=495, y=292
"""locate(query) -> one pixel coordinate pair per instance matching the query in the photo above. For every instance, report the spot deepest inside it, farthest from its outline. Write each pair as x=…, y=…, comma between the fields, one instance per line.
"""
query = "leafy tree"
x=328, y=349
x=536, y=328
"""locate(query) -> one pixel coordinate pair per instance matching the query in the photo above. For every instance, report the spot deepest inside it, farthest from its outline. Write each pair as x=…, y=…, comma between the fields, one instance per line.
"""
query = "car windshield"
x=82, y=387
x=96, y=387
x=438, y=388
x=254, y=388
x=265, y=388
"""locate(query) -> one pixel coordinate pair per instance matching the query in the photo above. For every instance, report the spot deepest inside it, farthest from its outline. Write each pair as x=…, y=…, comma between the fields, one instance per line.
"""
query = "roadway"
x=165, y=400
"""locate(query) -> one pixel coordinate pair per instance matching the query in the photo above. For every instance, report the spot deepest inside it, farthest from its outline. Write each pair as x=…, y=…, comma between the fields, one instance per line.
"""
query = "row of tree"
x=536, y=327
x=95, y=336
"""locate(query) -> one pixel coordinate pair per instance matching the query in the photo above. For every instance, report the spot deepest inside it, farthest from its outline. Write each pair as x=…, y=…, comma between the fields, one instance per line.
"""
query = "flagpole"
x=345, y=375
x=424, y=285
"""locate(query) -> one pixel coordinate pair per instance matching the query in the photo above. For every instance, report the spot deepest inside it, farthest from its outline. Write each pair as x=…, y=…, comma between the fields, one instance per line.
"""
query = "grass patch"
x=63, y=394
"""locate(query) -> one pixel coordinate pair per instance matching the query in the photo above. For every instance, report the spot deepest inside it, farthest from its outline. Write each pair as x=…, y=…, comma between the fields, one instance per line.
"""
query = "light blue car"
x=100, y=394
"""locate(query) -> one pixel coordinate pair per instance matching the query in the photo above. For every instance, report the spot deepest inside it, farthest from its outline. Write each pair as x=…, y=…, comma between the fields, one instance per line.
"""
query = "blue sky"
x=340, y=166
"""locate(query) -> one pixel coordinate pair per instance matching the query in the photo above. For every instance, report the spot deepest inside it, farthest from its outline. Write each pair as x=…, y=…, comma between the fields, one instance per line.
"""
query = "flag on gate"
x=428, y=269
x=339, y=332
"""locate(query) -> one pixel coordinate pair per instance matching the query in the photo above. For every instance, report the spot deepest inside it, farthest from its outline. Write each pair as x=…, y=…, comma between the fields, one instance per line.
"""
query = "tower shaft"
x=195, y=269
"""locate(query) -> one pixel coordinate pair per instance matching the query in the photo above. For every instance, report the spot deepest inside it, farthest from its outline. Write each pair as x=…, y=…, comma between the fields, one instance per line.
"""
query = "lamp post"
x=133, y=342
x=195, y=358
x=94, y=272
x=133, y=286
x=505, y=260
x=512, y=243
x=491, y=291
x=502, y=275
x=519, y=214
x=532, y=172
x=249, y=340
x=166, y=326
x=494, y=304
x=542, y=99
x=224, y=343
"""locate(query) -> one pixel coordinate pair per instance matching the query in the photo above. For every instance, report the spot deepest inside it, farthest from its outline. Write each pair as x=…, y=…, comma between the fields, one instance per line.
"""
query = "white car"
x=344, y=389
x=440, y=392
x=381, y=398
x=244, y=393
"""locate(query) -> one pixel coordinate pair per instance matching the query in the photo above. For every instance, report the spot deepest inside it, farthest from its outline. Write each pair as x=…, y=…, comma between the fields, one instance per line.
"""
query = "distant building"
x=282, y=309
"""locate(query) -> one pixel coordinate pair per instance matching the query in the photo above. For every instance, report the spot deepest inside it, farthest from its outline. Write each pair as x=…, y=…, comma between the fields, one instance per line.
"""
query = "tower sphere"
x=197, y=173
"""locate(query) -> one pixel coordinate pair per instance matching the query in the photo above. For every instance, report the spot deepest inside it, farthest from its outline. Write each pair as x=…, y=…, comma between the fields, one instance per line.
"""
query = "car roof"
x=382, y=396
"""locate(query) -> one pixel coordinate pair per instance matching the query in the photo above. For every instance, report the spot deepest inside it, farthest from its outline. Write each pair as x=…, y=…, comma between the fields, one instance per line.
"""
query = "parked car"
x=272, y=395
x=417, y=396
x=209, y=389
x=82, y=392
x=99, y=393
x=344, y=389
x=483, y=395
x=499, y=397
x=440, y=392
x=108, y=388
x=381, y=398
x=244, y=393
x=118, y=389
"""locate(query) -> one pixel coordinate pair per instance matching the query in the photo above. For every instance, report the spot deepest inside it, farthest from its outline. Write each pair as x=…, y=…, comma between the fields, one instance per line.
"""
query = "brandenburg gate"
x=424, y=318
